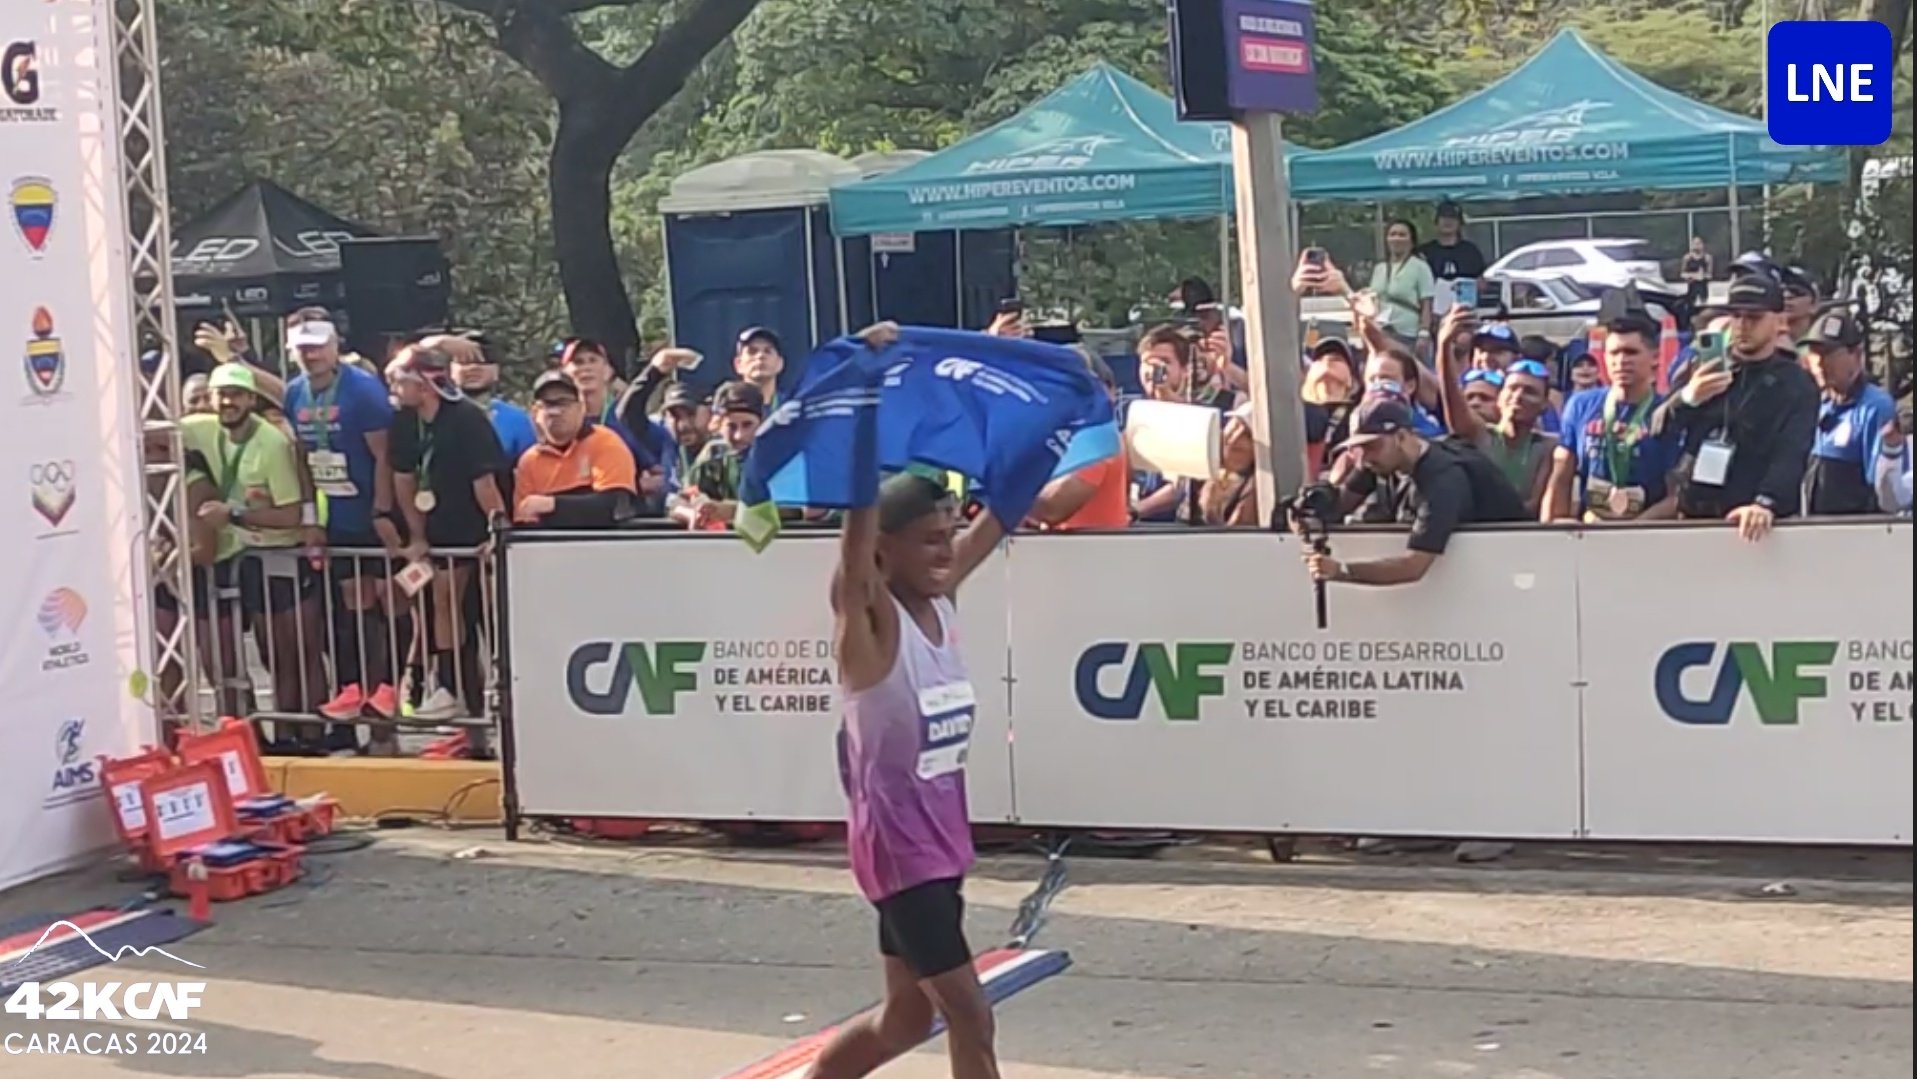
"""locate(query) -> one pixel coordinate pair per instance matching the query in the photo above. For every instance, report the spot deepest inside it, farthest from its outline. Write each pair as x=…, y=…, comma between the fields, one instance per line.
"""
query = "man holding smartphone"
x=1748, y=421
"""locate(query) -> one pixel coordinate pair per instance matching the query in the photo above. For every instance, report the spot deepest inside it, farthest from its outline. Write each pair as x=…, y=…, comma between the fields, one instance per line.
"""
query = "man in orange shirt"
x=580, y=474
x=1096, y=496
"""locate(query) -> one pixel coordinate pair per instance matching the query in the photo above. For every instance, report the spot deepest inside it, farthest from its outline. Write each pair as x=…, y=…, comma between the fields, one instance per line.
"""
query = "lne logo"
x=1779, y=681
x=1830, y=83
x=1183, y=673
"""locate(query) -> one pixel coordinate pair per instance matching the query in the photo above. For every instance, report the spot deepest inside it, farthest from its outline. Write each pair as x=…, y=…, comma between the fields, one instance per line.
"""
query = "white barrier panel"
x=1179, y=680
x=686, y=677
x=1749, y=692
x=73, y=579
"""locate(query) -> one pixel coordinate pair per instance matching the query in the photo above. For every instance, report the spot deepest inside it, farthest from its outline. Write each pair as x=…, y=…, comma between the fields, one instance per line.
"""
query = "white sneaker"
x=440, y=705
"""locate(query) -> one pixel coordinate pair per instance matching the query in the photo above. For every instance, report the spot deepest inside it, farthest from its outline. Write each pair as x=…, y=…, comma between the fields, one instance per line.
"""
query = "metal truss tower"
x=171, y=660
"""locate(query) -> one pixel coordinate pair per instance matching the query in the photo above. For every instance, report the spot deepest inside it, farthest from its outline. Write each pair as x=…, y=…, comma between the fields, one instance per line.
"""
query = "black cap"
x=549, y=379
x=1381, y=414
x=1796, y=279
x=1834, y=329
x=1541, y=349
x=1755, y=292
x=760, y=333
x=1330, y=342
x=739, y=397
x=682, y=395
x=1447, y=208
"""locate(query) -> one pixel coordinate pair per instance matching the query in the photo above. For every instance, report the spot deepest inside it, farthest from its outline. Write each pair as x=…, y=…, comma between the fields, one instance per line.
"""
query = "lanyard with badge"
x=328, y=465
x=424, y=500
x=1713, y=464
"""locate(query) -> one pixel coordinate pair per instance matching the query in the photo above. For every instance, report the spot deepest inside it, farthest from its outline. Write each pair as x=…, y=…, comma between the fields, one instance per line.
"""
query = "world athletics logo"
x=33, y=203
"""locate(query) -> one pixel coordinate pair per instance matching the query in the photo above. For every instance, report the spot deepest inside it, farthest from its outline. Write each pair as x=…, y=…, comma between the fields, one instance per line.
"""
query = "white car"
x=1593, y=263
x=1553, y=307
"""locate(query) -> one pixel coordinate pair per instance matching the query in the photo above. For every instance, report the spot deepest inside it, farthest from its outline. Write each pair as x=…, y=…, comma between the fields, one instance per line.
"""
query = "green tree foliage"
x=440, y=116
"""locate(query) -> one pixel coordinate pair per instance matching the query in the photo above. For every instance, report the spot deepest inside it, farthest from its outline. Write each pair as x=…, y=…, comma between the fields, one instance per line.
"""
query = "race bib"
x=329, y=473
x=945, y=718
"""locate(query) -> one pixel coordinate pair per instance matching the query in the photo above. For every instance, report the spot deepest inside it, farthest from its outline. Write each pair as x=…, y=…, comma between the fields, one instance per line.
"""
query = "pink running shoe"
x=384, y=702
x=348, y=705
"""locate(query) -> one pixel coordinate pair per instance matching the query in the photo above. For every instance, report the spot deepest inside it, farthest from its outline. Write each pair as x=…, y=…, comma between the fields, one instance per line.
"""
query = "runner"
x=902, y=751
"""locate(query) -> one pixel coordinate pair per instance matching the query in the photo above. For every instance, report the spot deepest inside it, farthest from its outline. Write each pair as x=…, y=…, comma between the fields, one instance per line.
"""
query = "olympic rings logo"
x=55, y=474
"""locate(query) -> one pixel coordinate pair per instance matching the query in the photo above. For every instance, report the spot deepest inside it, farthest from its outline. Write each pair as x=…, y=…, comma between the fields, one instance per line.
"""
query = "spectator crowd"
x=380, y=486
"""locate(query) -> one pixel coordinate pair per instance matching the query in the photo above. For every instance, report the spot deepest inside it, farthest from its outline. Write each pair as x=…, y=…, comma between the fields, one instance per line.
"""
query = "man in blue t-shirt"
x=341, y=414
x=1612, y=464
x=1851, y=422
x=476, y=374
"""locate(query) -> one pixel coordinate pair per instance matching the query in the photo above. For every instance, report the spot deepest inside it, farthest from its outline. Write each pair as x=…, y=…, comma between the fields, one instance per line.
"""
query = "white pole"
x=1224, y=263
x=1265, y=257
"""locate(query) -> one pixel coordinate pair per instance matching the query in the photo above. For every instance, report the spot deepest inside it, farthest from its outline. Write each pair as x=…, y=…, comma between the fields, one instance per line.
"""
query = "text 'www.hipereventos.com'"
x=1479, y=156
x=1024, y=187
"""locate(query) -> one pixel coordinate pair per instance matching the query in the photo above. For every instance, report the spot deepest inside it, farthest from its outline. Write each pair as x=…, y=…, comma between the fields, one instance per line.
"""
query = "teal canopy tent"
x=1570, y=120
x=1103, y=147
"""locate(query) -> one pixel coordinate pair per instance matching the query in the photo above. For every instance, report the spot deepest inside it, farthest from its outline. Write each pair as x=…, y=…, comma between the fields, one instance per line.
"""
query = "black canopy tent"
x=264, y=252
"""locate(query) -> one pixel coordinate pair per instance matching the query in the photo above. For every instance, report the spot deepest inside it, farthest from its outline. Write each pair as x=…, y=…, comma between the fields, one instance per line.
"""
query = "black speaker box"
x=393, y=286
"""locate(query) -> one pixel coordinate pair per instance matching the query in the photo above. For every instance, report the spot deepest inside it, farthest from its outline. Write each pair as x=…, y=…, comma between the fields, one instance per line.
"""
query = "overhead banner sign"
x=1268, y=59
x=73, y=583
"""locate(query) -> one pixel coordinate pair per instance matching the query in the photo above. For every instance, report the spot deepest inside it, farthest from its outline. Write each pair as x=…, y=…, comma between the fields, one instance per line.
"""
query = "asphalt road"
x=546, y=961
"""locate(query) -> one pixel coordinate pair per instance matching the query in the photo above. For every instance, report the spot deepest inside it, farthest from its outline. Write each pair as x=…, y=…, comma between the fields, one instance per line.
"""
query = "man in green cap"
x=261, y=507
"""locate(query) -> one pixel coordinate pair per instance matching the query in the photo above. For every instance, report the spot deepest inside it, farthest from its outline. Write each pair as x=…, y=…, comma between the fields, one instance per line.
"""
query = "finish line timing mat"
x=1002, y=972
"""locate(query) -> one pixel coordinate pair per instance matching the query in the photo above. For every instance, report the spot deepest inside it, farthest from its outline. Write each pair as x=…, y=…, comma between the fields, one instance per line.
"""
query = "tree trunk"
x=583, y=154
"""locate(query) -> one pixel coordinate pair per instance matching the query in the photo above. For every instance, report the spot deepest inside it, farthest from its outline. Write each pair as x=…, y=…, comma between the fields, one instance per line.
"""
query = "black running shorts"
x=924, y=926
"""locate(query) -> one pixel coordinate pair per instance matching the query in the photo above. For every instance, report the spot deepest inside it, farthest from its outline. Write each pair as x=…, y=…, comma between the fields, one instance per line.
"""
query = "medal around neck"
x=424, y=501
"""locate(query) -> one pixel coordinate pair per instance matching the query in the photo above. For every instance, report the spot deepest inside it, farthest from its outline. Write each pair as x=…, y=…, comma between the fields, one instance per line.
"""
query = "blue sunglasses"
x=1529, y=367
x=1489, y=378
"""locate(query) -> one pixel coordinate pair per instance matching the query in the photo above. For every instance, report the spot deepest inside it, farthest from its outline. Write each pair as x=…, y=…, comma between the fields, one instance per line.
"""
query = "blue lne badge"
x=1830, y=83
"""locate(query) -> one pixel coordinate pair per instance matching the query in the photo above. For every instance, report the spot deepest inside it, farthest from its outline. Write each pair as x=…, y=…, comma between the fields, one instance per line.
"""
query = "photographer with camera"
x=1447, y=484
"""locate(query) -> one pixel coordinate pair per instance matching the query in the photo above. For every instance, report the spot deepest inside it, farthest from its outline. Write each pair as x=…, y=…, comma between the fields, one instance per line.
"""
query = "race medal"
x=424, y=501
x=1620, y=502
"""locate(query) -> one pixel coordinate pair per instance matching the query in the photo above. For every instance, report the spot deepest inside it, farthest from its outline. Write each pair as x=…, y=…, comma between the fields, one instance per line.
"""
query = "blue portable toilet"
x=941, y=278
x=749, y=243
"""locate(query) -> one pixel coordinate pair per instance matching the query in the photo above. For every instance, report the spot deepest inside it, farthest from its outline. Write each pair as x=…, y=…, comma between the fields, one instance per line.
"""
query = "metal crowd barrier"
x=293, y=632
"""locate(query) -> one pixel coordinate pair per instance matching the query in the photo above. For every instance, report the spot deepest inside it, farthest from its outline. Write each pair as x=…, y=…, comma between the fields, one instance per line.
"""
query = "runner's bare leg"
x=900, y=1024
x=969, y=1026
